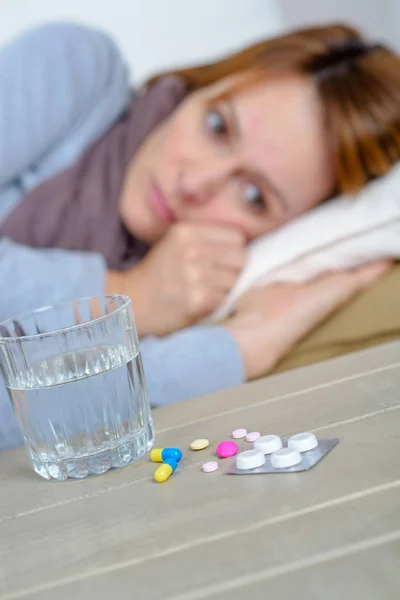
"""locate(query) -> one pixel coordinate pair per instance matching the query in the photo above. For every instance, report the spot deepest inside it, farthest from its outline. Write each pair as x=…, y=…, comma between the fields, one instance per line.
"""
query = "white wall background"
x=394, y=26
x=155, y=34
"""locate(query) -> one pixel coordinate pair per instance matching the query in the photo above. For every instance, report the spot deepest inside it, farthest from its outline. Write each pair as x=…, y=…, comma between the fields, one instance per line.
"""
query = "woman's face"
x=251, y=163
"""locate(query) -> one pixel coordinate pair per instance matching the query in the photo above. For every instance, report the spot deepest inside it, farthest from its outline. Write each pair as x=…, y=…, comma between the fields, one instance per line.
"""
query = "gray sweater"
x=62, y=87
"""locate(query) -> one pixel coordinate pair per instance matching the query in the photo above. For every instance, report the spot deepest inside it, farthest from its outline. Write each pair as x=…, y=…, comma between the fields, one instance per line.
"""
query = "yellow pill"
x=163, y=472
x=156, y=454
x=200, y=444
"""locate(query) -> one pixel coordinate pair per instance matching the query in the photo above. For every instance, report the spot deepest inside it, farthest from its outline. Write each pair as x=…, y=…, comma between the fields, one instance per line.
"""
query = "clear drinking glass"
x=75, y=377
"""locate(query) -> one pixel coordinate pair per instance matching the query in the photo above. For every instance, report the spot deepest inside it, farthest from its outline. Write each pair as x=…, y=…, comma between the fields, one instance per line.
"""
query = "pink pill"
x=211, y=466
x=226, y=449
x=239, y=433
x=253, y=436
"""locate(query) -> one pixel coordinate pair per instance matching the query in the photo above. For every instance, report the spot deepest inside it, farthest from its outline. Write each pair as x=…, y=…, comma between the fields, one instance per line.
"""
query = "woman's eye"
x=254, y=198
x=216, y=123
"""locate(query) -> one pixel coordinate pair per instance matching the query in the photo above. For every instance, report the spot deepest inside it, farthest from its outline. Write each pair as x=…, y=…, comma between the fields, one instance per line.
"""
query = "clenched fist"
x=183, y=278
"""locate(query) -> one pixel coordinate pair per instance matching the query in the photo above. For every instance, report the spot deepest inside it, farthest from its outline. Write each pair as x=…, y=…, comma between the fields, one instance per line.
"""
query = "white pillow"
x=342, y=233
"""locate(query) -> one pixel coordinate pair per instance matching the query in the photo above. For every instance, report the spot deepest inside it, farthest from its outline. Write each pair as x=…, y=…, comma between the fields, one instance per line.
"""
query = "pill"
x=161, y=454
x=253, y=436
x=210, y=467
x=285, y=457
x=164, y=471
x=226, y=449
x=239, y=433
x=268, y=444
x=250, y=459
x=200, y=444
x=303, y=442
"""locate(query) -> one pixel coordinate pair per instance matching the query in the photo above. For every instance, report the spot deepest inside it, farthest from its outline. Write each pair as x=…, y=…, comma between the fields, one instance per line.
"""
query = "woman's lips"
x=159, y=204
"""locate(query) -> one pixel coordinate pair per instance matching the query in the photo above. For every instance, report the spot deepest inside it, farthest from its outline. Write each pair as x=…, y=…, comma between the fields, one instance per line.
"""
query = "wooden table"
x=332, y=532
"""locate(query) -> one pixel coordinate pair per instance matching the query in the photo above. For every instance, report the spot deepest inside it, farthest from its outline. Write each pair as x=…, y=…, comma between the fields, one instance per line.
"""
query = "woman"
x=155, y=195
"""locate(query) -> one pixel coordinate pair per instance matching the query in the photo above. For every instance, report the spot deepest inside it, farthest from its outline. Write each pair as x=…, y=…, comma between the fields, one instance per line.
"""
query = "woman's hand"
x=183, y=278
x=270, y=321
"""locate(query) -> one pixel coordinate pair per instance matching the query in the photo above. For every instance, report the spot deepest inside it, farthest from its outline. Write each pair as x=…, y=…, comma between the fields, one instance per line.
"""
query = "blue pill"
x=171, y=462
x=174, y=453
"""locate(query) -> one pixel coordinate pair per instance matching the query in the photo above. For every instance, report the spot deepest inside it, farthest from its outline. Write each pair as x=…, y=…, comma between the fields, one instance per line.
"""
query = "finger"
x=345, y=284
x=213, y=255
x=328, y=294
x=368, y=273
x=202, y=303
x=233, y=259
x=371, y=273
x=195, y=233
x=214, y=300
x=223, y=235
x=210, y=279
x=221, y=279
x=328, y=288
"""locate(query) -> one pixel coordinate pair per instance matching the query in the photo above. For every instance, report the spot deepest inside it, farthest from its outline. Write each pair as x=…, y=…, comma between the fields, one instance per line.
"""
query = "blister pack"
x=271, y=454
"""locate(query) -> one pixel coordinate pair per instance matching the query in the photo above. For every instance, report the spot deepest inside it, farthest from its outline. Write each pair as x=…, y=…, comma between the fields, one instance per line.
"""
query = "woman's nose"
x=200, y=183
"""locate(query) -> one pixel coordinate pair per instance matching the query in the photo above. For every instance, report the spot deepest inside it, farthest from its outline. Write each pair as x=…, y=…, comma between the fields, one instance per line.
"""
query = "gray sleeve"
x=33, y=278
x=62, y=85
x=190, y=363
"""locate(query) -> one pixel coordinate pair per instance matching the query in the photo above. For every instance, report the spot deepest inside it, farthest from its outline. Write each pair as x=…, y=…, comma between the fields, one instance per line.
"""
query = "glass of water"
x=74, y=375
